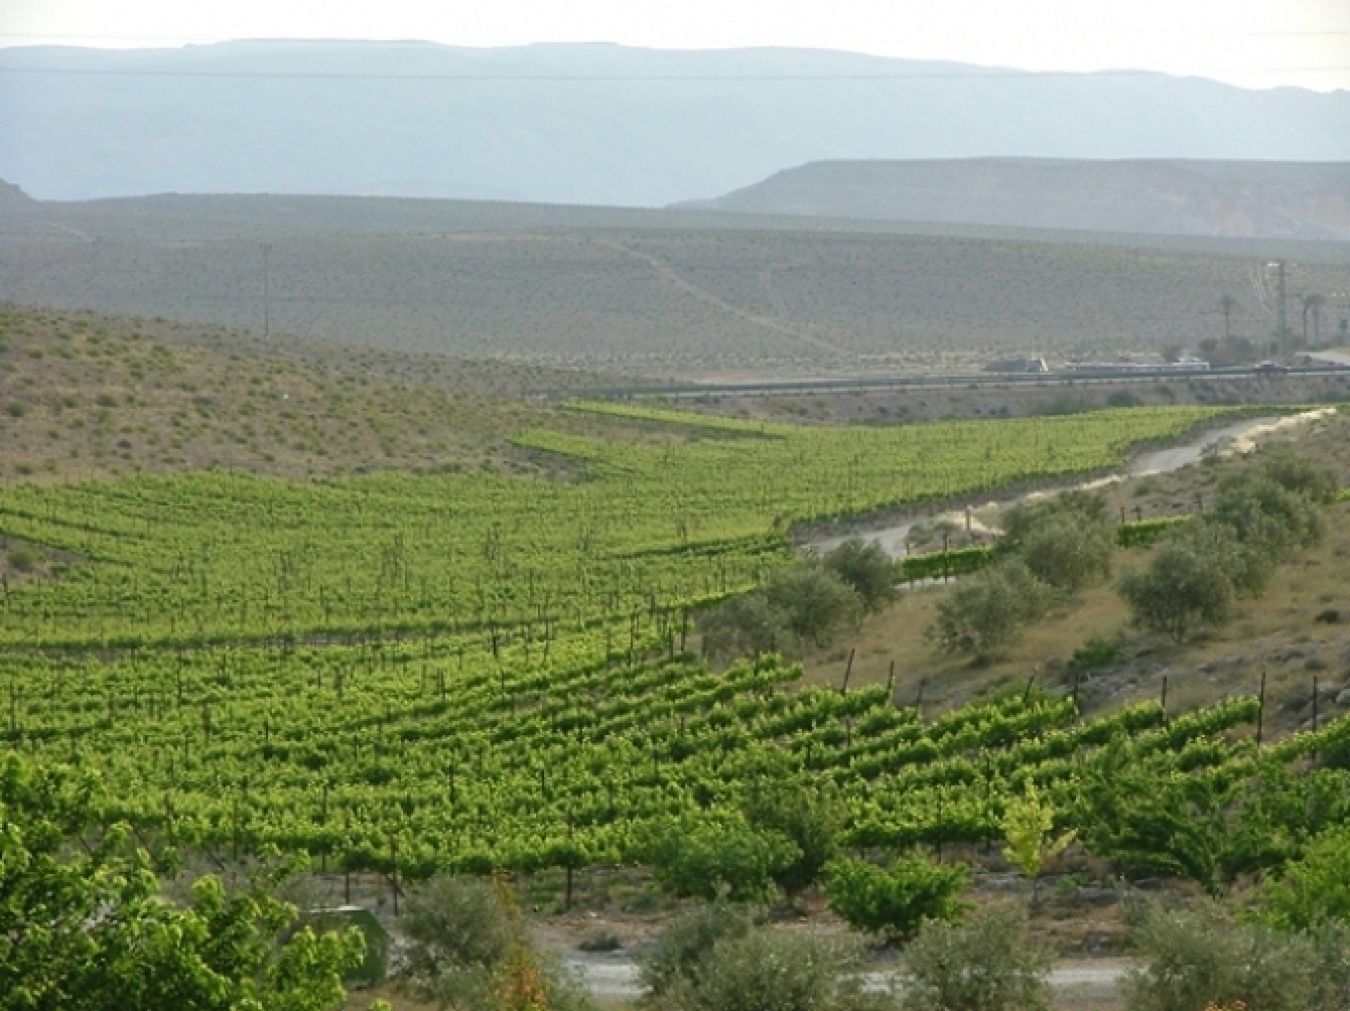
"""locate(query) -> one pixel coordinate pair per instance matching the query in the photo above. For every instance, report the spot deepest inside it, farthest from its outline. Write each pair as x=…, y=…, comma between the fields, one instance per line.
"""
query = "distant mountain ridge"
x=585, y=124
x=14, y=200
x=1162, y=197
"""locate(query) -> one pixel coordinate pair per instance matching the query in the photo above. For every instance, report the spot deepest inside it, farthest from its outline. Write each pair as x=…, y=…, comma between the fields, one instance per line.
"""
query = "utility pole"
x=1282, y=333
x=266, y=292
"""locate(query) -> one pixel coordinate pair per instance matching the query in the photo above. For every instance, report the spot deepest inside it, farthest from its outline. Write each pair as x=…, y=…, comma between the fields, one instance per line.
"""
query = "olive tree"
x=1191, y=581
x=986, y=611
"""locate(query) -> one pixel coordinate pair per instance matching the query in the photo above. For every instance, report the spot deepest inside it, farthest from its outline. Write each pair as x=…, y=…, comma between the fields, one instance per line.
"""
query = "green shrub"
x=1331, y=966
x=712, y=857
x=746, y=626
x=1143, y=533
x=1298, y=474
x=814, y=601
x=1023, y=519
x=937, y=564
x=1268, y=516
x=760, y=971
x=987, y=611
x=895, y=902
x=1198, y=957
x=1314, y=889
x=811, y=817
x=1189, y=582
x=988, y=963
x=1096, y=653
x=687, y=941
x=867, y=569
x=460, y=934
x=1069, y=553
x=463, y=937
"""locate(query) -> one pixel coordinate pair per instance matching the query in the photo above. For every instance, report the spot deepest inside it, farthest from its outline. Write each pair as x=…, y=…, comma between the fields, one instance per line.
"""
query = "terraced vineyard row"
x=224, y=557
x=366, y=756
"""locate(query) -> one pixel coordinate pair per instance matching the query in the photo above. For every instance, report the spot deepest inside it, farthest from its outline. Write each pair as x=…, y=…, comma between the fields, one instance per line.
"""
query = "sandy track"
x=616, y=976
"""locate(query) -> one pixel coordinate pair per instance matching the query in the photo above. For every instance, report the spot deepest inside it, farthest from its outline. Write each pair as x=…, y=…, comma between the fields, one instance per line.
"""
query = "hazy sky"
x=1254, y=43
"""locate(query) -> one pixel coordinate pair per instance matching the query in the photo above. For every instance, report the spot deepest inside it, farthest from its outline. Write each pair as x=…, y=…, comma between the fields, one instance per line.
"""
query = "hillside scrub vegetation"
x=755, y=969
x=988, y=962
x=1205, y=957
x=805, y=604
x=987, y=611
x=1260, y=517
x=468, y=950
x=1051, y=549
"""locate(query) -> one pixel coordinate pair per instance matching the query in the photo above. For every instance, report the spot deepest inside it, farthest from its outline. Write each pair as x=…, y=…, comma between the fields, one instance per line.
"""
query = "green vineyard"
x=220, y=557
x=467, y=672
x=370, y=757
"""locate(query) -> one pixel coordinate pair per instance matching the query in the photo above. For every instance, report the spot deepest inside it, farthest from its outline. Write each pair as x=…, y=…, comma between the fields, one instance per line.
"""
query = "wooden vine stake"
x=848, y=671
x=1261, y=710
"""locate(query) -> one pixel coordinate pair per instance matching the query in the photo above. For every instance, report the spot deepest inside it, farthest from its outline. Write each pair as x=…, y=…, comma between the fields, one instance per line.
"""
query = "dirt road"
x=615, y=976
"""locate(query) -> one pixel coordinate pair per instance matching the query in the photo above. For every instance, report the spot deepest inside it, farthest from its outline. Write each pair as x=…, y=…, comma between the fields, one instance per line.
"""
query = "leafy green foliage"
x=808, y=602
x=1151, y=820
x=1096, y=653
x=1065, y=541
x=468, y=951
x=1027, y=823
x=811, y=817
x=1258, y=519
x=761, y=971
x=989, y=962
x=1191, y=958
x=1298, y=474
x=459, y=937
x=746, y=626
x=83, y=928
x=682, y=947
x=1069, y=554
x=1315, y=888
x=814, y=600
x=1190, y=581
x=942, y=564
x=1143, y=533
x=895, y=902
x=716, y=857
x=987, y=611
x=1024, y=519
x=867, y=568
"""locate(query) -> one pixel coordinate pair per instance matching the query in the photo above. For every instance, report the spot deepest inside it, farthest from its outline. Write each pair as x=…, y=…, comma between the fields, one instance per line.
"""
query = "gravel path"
x=616, y=975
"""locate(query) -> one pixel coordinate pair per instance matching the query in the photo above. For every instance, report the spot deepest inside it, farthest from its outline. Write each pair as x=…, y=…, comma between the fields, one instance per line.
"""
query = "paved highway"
x=779, y=387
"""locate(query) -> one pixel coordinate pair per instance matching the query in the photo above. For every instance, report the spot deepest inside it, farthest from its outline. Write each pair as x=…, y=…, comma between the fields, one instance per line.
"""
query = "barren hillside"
x=1169, y=197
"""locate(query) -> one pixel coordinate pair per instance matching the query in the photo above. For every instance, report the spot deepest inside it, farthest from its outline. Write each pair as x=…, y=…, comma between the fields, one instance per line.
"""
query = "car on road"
x=1270, y=367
